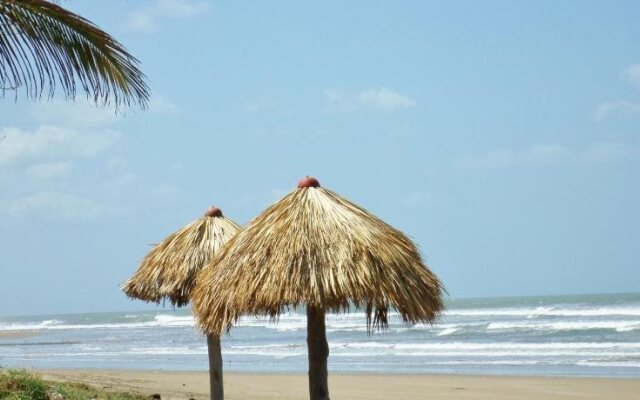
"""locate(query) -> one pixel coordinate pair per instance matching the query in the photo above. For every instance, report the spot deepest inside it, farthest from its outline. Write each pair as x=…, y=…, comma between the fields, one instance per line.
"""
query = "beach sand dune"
x=240, y=386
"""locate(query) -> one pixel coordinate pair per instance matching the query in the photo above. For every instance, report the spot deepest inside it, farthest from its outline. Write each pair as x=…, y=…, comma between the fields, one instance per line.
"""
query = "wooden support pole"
x=215, y=367
x=318, y=349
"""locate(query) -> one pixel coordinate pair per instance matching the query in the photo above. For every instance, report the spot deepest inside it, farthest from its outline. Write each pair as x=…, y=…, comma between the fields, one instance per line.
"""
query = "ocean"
x=590, y=335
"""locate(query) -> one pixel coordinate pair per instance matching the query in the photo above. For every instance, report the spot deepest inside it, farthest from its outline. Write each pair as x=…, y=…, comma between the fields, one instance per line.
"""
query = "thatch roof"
x=168, y=271
x=314, y=247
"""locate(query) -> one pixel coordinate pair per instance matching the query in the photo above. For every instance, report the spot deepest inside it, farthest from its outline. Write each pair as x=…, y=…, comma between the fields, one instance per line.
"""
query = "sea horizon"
x=595, y=335
x=446, y=298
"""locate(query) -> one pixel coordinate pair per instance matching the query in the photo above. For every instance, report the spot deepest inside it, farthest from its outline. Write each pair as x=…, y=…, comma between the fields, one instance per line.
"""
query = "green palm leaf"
x=44, y=47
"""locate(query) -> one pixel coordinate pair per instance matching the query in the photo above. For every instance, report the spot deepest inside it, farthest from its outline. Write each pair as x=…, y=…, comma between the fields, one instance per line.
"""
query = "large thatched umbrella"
x=169, y=270
x=316, y=248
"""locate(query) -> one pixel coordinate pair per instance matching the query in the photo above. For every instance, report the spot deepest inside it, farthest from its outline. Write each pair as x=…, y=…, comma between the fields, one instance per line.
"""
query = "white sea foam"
x=167, y=350
x=474, y=346
x=575, y=336
x=298, y=322
x=161, y=320
x=454, y=349
x=151, y=351
x=173, y=320
x=158, y=321
x=267, y=352
x=50, y=322
x=617, y=325
x=546, y=311
x=282, y=324
x=610, y=364
x=448, y=331
x=491, y=362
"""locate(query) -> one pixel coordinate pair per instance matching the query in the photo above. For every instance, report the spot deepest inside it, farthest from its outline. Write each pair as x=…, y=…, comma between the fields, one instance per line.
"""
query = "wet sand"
x=241, y=386
x=15, y=334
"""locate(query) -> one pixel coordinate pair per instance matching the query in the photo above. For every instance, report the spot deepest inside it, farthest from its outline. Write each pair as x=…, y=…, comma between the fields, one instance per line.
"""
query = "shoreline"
x=288, y=386
x=331, y=372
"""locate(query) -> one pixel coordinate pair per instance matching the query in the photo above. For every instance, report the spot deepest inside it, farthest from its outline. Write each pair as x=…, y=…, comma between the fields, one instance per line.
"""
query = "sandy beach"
x=238, y=386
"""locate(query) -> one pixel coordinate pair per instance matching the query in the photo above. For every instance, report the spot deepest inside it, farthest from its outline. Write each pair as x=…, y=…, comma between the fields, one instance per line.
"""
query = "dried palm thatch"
x=169, y=270
x=316, y=248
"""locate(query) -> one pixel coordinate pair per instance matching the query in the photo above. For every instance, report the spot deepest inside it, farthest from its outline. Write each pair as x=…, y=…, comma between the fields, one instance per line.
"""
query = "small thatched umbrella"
x=169, y=270
x=316, y=248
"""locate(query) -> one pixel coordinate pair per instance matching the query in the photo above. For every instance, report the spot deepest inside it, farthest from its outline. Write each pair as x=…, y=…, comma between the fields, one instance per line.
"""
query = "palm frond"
x=44, y=46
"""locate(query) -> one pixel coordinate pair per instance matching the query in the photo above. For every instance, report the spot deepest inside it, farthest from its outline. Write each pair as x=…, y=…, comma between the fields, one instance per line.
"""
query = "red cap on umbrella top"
x=307, y=182
x=213, y=211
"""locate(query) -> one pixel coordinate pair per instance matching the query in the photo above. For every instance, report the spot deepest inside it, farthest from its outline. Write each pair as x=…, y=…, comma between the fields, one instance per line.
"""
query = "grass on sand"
x=21, y=385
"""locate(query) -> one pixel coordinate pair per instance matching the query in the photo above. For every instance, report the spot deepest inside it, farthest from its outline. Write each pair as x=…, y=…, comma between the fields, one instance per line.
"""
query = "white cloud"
x=122, y=182
x=381, y=99
x=416, y=199
x=384, y=99
x=147, y=19
x=544, y=155
x=71, y=168
x=161, y=105
x=117, y=164
x=51, y=142
x=82, y=189
x=339, y=100
x=259, y=104
x=632, y=75
x=84, y=114
x=50, y=171
x=58, y=204
x=623, y=108
x=39, y=176
x=76, y=114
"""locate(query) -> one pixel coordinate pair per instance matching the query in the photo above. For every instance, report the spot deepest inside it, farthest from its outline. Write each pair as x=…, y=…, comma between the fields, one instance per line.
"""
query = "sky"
x=502, y=137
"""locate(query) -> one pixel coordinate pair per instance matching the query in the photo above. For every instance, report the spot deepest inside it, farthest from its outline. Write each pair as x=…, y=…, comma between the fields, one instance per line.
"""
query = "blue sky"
x=503, y=137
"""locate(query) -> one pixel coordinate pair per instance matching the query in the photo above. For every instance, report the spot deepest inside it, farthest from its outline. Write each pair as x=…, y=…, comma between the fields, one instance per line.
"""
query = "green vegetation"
x=22, y=385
